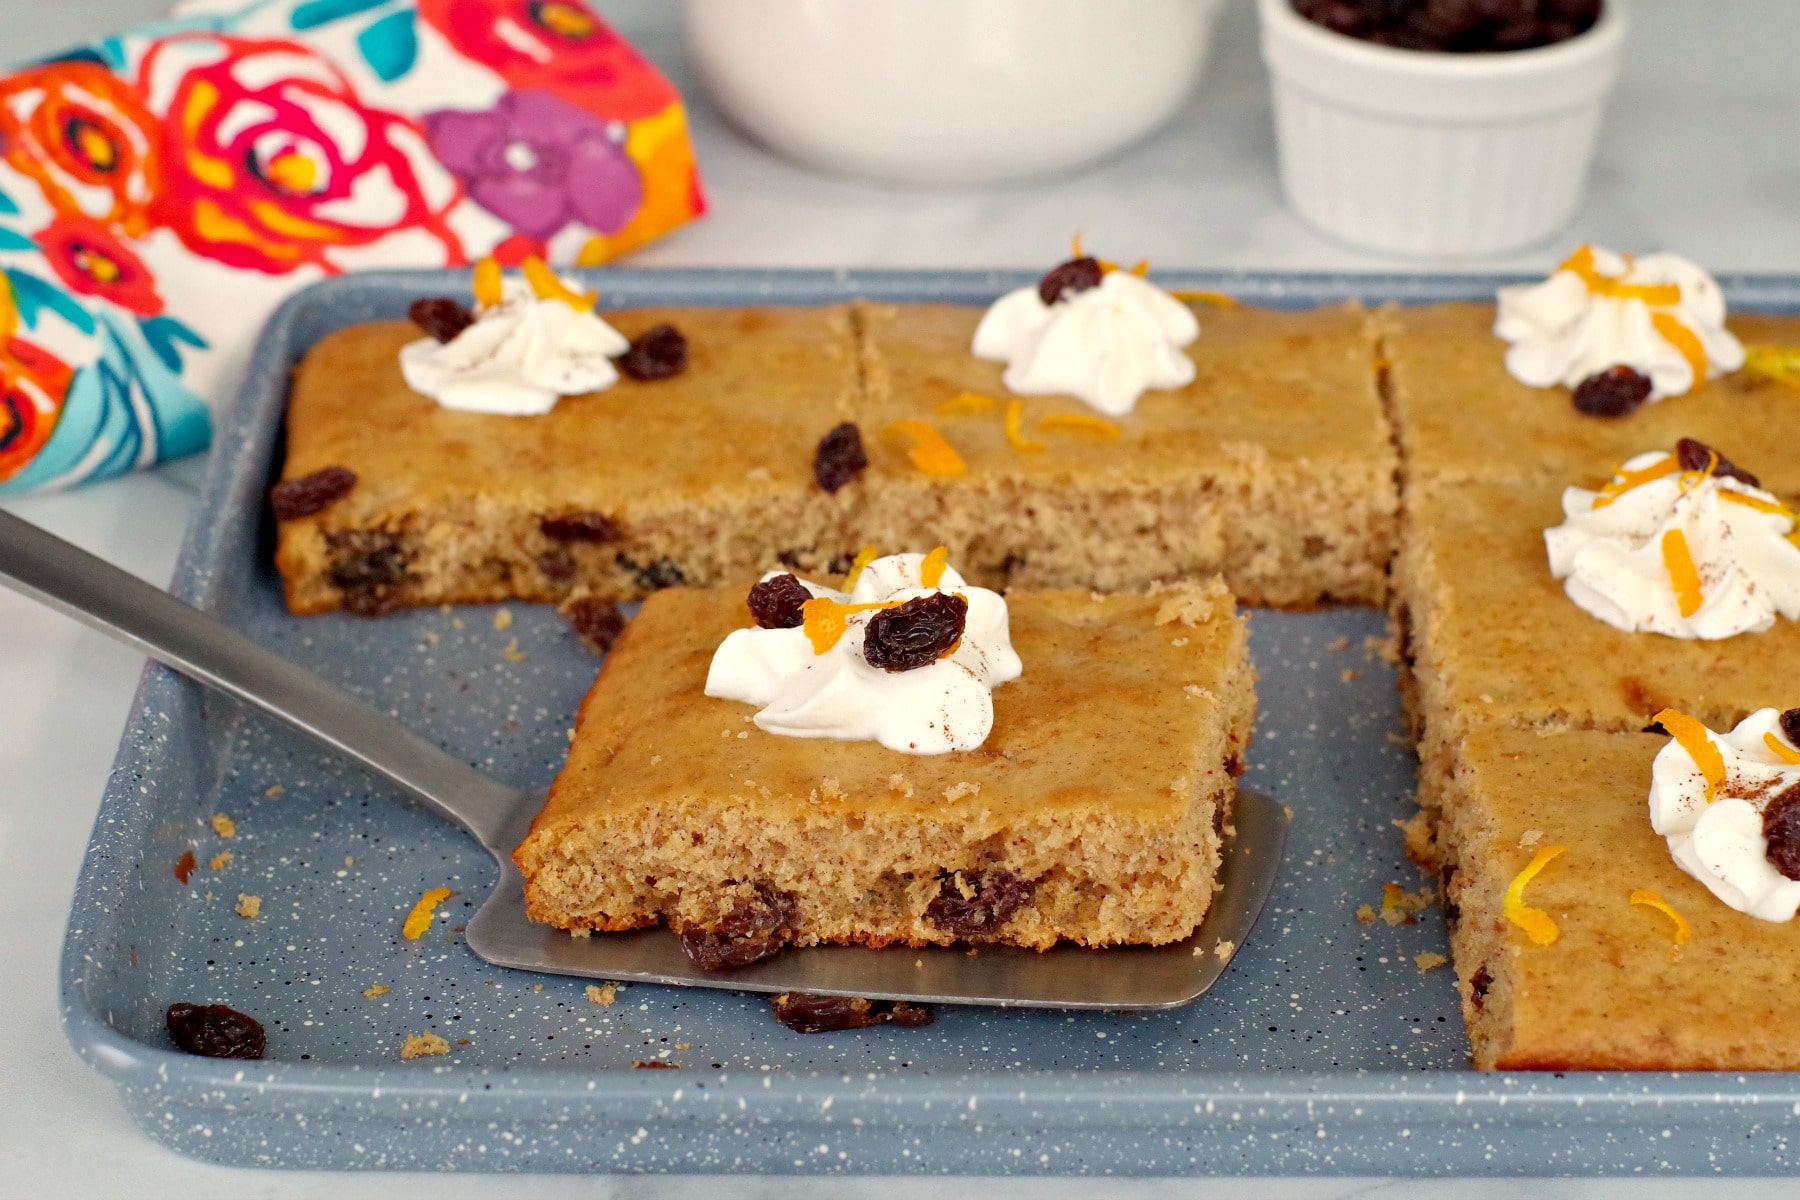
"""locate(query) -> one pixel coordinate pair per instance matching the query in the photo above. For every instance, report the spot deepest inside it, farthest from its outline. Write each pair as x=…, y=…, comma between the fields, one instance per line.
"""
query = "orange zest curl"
x=1214, y=299
x=825, y=619
x=1683, y=339
x=1581, y=263
x=419, y=919
x=1650, y=899
x=1683, y=577
x=965, y=404
x=1082, y=423
x=1784, y=753
x=1759, y=504
x=1015, y=436
x=930, y=452
x=546, y=286
x=1696, y=739
x=1774, y=362
x=931, y=571
x=864, y=557
x=1538, y=925
x=1624, y=481
x=486, y=283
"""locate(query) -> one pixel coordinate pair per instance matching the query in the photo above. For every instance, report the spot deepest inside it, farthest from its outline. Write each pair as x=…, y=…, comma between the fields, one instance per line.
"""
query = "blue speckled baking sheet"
x=1325, y=1048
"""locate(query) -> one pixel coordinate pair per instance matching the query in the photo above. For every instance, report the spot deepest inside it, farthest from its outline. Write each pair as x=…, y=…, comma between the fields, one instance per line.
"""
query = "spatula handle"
x=181, y=637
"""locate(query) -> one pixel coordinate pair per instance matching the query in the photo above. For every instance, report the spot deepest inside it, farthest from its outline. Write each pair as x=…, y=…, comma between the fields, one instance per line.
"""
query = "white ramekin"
x=948, y=91
x=1443, y=155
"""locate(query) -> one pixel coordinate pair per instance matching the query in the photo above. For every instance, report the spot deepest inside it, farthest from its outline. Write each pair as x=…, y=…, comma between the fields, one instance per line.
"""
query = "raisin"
x=1613, y=392
x=215, y=1031
x=657, y=353
x=1790, y=726
x=1781, y=828
x=595, y=621
x=556, y=566
x=1694, y=455
x=917, y=633
x=840, y=457
x=184, y=866
x=996, y=895
x=369, y=567
x=1479, y=984
x=579, y=527
x=755, y=928
x=308, y=494
x=806, y=1013
x=654, y=1065
x=440, y=317
x=1066, y=279
x=660, y=574
x=776, y=602
x=1459, y=26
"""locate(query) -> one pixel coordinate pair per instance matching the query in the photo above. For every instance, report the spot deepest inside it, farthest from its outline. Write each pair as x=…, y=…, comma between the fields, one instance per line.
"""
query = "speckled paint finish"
x=1324, y=1048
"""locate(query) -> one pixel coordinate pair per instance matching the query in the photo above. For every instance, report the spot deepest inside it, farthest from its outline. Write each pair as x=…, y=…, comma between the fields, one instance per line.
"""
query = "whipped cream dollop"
x=1106, y=345
x=520, y=355
x=934, y=709
x=1684, y=553
x=1712, y=812
x=1660, y=315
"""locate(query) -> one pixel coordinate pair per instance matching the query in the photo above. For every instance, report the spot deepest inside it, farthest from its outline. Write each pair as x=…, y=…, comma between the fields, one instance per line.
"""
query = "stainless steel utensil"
x=203, y=648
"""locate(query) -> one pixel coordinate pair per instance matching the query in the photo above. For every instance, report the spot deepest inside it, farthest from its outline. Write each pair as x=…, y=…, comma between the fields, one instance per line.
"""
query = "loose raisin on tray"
x=579, y=527
x=1694, y=455
x=369, y=567
x=1066, y=279
x=215, y=1031
x=1613, y=392
x=596, y=622
x=1790, y=726
x=657, y=353
x=302, y=497
x=806, y=1013
x=994, y=896
x=184, y=866
x=840, y=457
x=440, y=317
x=755, y=928
x=1781, y=827
x=917, y=633
x=776, y=602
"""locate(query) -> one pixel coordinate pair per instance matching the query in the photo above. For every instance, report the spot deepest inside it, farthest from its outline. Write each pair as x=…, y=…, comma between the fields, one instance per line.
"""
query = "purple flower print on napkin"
x=538, y=163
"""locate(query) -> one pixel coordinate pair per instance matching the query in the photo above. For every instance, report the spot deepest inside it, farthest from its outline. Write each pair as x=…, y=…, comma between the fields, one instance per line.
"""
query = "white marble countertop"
x=1699, y=154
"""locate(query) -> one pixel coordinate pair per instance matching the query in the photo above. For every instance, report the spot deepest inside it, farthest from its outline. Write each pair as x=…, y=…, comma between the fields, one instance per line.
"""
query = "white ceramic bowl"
x=948, y=91
x=1444, y=155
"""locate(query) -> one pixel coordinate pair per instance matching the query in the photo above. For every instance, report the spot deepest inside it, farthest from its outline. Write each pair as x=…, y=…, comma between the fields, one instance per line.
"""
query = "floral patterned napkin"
x=163, y=190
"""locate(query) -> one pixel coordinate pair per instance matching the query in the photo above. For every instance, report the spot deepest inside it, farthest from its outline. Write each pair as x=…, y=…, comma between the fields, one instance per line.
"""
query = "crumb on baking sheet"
x=511, y=652
x=1365, y=913
x=249, y=907
x=1429, y=961
x=503, y=618
x=1387, y=649
x=273, y=790
x=603, y=995
x=380, y=989
x=1399, y=907
x=223, y=825
x=1340, y=642
x=221, y=860
x=1349, y=675
x=422, y=1045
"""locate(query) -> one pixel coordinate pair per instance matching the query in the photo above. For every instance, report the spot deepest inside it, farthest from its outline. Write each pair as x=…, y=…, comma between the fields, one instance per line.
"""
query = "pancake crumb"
x=503, y=619
x=1387, y=649
x=511, y=652
x=224, y=826
x=1340, y=642
x=422, y=1045
x=220, y=861
x=1224, y=949
x=249, y=907
x=1429, y=961
x=603, y=996
x=379, y=989
x=273, y=790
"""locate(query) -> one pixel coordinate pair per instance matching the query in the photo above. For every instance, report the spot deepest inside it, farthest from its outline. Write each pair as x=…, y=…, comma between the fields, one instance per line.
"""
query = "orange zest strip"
x=864, y=557
x=1784, y=753
x=1684, y=340
x=824, y=619
x=419, y=919
x=931, y=571
x=1650, y=899
x=1774, y=362
x=1627, y=480
x=1581, y=263
x=1696, y=739
x=487, y=283
x=930, y=452
x=1075, y=246
x=1141, y=267
x=546, y=286
x=1015, y=417
x=1081, y=423
x=966, y=404
x=1682, y=575
x=1537, y=924
x=1215, y=299
x=1759, y=504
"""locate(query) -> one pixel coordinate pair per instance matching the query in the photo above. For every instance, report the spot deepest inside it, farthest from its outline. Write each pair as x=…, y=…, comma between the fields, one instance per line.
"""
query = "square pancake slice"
x=1490, y=637
x=1614, y=990
x=1093, y=812
x=690, y=479
x=1460, y=417
x=1274, y=466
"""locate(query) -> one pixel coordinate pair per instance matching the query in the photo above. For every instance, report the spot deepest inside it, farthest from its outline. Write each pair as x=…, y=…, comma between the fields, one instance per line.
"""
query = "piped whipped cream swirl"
x=934, y=709
x=1684, y=553
x=533, y=341
x=1661, y=315
x=1106, y=345
x=1710, y=794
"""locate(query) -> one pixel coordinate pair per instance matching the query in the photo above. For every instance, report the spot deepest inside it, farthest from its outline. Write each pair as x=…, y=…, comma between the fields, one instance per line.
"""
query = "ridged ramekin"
x=1428, y=154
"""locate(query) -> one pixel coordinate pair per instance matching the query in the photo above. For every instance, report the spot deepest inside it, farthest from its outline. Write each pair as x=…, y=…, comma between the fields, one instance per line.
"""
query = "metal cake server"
x=203, y=648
